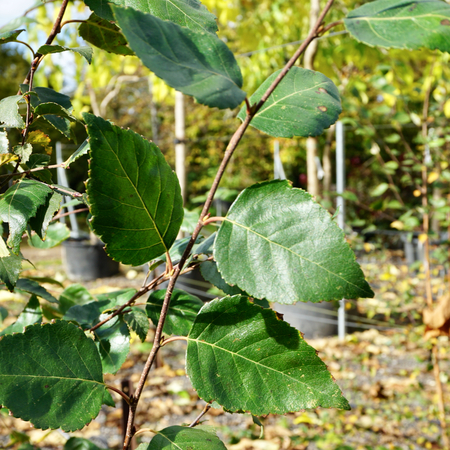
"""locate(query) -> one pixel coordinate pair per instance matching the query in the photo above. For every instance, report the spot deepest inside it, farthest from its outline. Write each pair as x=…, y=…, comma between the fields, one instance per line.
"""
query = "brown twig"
x=172, y=339
x=197, y=419
x=24, y=43
x=72, y=21
x=118, y=391
x=26, y=172
x=177, y=270
x=76, y=211
x=212, y=220
x=329, y=27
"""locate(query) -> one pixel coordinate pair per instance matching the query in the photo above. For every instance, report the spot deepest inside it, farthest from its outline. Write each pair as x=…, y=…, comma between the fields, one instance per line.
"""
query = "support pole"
x=340, y=204
x=180, y=147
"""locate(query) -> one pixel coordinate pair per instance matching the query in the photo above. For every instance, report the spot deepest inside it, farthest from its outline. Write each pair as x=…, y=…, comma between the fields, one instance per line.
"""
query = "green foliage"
x=303, y=104
x=65, y=389
x=407, y=24
x=30, y=315
x=235, y=347
x=196, y=63
x=277, y=242
x=138, y=217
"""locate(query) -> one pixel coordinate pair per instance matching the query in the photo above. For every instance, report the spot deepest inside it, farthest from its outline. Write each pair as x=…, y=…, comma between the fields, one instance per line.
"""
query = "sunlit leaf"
x=9, y=112
x=31, y=314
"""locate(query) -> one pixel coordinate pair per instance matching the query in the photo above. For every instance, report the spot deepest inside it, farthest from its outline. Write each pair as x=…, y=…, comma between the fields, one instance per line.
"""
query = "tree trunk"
x=311, y=142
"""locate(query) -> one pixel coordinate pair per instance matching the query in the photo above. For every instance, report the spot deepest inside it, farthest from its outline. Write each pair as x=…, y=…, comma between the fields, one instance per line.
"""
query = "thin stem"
x=26, y=172
x=24, y=43
x=212, y=220
x=121, y=393
x=329, y=27
x=169, y=268
x=178, y=268
x=172, y=339
x=145, y=430
x=72, y=21
x=249, y=109
x=197, y=419
x=76, y=211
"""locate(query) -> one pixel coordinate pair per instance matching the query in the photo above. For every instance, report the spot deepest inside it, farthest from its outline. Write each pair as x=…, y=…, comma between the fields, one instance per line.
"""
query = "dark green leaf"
x=76, y=294
x=278, y=243
x=39, y=223
x=196, y=63
x=135, y=196
x=410, y=24
x=137, y=320
x=246, y=359
x=31, y=314
x=303, y=104
x=9, y=36
x=117, y=298
x=113, y=343
x=56, y=233
x=9, y=112
x=108, y=400
x=33, y=287
x=18, y=205
x=188, y=13
x=105, y=35
x=10, y=268
x=85, y=52
x=38, y=160
x=210, y=273
x=3, y=314
x=183, y=438
x=45, y=109
x=51, y=376
x=83, y=149
x=182, y=312
x=76, y=443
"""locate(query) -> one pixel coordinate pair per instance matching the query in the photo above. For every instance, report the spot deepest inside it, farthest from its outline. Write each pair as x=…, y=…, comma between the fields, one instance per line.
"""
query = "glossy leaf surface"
x=77, y=443
x=9, y=112
x=105, y=35
x=56, y=233
x=183, y=438
x=85, y=52
x=196, y=63
x=278, y=243
x=9, y=36
x=75, y=294
x=83, y=149
x=33, y=287
x=135, y=196
x=52, y=376
x=31, y=314
x=137, y=321
x=182, y=310
x=18, y=205
x=304, y=104
x=210, y=273
x=410, y=24
x=246, y=359
x=40, y=222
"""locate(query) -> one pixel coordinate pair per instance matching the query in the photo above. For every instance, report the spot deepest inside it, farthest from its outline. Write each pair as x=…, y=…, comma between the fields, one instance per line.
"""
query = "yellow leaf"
x=432, y=177
x=6, y=158
x=368, y=247
x=423, y=238
x=389, y=99
x=417, y=193
x=447, y=108
x=397, y=225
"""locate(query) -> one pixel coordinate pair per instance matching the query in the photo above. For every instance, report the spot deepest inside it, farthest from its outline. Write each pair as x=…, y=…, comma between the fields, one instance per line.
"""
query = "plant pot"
x=84, y=261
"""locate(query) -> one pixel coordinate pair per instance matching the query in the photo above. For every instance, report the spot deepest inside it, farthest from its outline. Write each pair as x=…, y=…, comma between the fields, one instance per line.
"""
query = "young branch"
x=198, y=418
x=172, y=339
x=26, y=172
x=212, y=220
x=178, y=268
x=118, y=391
x=58, y=216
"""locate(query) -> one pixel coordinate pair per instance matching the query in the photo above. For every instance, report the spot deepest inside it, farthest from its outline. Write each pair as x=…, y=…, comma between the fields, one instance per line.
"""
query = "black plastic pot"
x=84, y=261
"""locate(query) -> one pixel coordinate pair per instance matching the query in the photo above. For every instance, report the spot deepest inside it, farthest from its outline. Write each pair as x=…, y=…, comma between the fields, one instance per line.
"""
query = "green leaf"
x=16, y=23
x=105, y=35
x=135, y=196
x=210, y=273
x=303, y=104
x=45, y=109
x=183, y=438
x=137, y=321
x=188, y=13
x=9, y=112
x=10, y=268
x=113, y=343
x=33, y=287
x=51, y=376
x=38, y=160
x=410, y=24
x=108, y=400
x=31, y=314
x=182, y=312
x=246, y=359
x=196, y=63
x=76, y=443
x=75, y=294
x=85, y=52
x=56, y=233
x=83, y=149
x=190, y=221
x=379, y=190
x=278, y=243
x=18, y=205
x=23, y=152
x=9, y=36
x=40, y=222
